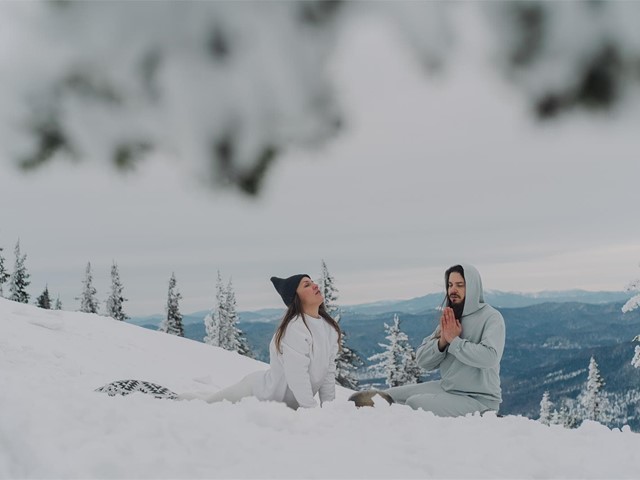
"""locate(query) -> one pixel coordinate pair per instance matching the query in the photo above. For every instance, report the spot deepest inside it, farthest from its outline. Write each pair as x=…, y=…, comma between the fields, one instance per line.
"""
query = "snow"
x=55, y=426
x=632, y=304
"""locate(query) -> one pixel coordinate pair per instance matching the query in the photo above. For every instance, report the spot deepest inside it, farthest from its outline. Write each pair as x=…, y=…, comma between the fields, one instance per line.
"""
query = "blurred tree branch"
x=229, y=85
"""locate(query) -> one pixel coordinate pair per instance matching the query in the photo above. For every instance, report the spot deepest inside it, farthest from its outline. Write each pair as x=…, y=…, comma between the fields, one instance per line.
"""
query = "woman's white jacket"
x=305, y=366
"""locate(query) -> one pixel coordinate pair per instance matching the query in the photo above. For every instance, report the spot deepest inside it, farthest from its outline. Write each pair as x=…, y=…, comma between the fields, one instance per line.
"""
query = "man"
x=467, y=346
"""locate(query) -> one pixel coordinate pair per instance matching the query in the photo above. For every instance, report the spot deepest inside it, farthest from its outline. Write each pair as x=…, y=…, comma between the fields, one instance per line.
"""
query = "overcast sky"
x=428, y=172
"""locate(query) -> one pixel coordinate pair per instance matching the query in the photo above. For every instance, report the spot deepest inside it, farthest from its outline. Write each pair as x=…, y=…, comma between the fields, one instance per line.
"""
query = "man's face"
x=456, y=289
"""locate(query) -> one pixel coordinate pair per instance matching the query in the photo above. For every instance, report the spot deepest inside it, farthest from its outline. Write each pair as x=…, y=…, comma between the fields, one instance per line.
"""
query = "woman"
x=302, y=352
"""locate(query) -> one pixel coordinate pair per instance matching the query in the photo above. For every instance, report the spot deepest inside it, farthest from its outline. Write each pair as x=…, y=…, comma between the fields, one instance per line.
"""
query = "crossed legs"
x=431, y=397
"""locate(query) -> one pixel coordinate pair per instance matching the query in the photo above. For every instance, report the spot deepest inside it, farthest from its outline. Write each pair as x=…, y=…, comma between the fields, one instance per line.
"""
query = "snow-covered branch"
x=227, y=86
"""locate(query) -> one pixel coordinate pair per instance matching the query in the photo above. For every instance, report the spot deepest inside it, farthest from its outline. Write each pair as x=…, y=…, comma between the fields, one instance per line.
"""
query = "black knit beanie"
x=287, y=287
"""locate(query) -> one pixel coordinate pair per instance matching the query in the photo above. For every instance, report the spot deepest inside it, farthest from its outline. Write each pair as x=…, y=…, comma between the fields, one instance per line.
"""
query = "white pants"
x=431, y=397
x=233, y=393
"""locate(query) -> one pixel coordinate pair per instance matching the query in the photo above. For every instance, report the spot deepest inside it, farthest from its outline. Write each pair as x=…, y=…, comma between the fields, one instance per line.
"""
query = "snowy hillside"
x=53, y=425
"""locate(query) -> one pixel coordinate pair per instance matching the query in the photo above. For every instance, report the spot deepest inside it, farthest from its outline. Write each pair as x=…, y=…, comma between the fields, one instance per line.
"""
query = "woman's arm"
x=327, y=390
x=296, y=345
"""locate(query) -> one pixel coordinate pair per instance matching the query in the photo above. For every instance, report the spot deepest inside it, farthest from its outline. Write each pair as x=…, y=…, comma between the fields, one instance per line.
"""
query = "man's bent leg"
x=401, y=394
x=446, y=404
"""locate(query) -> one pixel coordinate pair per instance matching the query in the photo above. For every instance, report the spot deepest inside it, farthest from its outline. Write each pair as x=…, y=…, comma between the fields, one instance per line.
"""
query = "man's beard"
x=458, y=308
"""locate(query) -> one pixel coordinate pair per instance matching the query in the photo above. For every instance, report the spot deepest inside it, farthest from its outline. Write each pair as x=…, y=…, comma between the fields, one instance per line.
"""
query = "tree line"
x=20, y=279
x=592, y=403
x=221, y=322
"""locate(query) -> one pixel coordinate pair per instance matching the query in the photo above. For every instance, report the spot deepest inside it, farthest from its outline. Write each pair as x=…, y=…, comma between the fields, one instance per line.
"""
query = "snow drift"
x=53, y=424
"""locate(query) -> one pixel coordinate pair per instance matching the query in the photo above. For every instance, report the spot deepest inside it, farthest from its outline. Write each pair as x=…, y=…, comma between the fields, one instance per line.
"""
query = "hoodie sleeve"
x=428, y=354
x=327, y=392
x=296, y=346
x=488, y=352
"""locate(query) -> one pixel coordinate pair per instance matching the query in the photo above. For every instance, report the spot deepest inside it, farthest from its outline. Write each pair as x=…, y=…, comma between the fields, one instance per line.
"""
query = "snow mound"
x=55, y=426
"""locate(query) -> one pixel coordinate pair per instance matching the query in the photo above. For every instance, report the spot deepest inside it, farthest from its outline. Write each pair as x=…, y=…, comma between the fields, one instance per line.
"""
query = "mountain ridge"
x=422, y=304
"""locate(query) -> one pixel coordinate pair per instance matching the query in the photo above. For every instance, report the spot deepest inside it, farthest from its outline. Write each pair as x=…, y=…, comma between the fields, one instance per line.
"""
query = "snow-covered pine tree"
x=58, y=304
x=215, y=318
x=88, y=300
x=212, y=332
x=173, y=321
x=4, y=274
x=236, y=340
x=555, y=418
x=221, y=323
x=348, y=361
x=116, y=298
x=44, y=300
x=412, y=369
x=545, y=409
x=569, y=415
x=20, y=278
x=329, y=293
x=635, y=361
x=632, y=304
x=228, y=337
x=592, y=397
x=397, y=363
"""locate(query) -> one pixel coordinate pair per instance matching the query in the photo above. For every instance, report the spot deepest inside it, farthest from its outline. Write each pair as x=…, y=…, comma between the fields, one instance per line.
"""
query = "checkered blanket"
x=126, y=387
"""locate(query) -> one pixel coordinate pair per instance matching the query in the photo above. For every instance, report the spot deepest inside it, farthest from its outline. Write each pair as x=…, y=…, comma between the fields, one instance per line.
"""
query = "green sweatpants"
x=431, y=397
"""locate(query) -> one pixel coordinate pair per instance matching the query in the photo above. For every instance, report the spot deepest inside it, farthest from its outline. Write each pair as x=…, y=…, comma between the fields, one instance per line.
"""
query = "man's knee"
x=419, y=401
x=444, y=405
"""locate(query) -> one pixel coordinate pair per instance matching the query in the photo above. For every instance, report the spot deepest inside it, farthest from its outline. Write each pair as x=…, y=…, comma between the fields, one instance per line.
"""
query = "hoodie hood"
x=474, y=297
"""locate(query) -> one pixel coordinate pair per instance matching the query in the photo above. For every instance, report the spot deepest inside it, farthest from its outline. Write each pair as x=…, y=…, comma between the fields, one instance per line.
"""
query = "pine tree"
x=58, y=305
x=221, y=323
x=44, y=300
x=569, y=416
x=397, y=363
x=592, y=398
x=4, y=274
x=236, y=340
x=329, y=293
x=20, y=278
x=213, y=321
x=173, y=322
x=545, y=409
x=228, y=338
x=632, y=304
x=88, y=300
x=116, y=299
x=635, y=361
x=348, y=361
x=212, y=332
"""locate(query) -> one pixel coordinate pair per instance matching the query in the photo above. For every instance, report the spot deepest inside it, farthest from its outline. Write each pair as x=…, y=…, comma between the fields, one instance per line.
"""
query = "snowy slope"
x=53, y=425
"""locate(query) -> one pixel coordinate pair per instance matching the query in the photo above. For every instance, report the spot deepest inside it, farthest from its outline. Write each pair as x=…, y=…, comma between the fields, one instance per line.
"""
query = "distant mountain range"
x=418, y=305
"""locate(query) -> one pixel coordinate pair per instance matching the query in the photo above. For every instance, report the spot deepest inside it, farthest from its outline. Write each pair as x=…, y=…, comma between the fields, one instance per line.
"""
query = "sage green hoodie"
x=470, y=365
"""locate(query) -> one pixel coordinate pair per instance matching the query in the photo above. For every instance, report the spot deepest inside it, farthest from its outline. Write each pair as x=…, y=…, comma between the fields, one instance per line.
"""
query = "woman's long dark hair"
x=293, y=311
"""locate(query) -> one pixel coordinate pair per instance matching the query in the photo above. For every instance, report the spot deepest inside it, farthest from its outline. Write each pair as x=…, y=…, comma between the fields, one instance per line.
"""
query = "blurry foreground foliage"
x=230, y=85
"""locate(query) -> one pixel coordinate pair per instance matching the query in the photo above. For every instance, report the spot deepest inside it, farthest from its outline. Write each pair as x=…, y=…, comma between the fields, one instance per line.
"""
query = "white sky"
x=429, y=171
